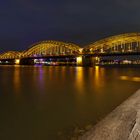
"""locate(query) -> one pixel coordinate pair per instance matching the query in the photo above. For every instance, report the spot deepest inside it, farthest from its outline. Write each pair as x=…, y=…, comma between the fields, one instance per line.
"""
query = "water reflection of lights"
x=97, y=78
x=124, y=77
x=16, y=79
x=79, y=79
x=97, y=72
x=136, y=79
x=38, y=78
x=127, y=78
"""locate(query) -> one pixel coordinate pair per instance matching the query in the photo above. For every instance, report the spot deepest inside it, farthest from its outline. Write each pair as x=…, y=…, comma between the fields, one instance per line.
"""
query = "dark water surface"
x=40, y=103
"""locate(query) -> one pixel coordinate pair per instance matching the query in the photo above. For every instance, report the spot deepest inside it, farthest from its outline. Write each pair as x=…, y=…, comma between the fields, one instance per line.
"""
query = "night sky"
x=24, y=22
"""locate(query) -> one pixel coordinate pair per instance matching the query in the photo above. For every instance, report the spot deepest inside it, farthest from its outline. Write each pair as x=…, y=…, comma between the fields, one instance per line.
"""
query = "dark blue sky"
x=23, y=22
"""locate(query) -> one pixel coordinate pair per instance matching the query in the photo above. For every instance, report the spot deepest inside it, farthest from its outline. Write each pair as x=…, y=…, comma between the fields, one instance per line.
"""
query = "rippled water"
x=41, y=103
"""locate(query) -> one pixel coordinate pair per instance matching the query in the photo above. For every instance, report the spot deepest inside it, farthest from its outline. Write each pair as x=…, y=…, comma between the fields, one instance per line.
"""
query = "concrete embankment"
x=121, y=124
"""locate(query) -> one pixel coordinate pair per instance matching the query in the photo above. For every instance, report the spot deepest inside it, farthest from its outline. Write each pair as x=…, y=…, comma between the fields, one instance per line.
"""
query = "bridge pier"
x=107, y=59
x=26, y=61
x=17, y=61
x=95, y=60
x=85, y=60
x=52, y=60
x=77, y=60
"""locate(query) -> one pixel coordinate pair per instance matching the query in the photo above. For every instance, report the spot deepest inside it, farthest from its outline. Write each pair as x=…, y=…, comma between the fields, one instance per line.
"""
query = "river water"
x=48, y=103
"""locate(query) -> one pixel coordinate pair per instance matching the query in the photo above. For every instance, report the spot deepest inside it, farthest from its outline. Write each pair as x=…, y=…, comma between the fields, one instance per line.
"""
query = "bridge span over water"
x=119, y=49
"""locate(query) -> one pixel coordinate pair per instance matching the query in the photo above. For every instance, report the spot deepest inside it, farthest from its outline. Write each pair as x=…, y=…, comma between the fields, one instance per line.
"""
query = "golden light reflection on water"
x=16, y=79
x=94, y=77
x=136, y=79
x=80, y=79
x=97, y=76
x=128, y=78
x=76, y=95
x=124, y=77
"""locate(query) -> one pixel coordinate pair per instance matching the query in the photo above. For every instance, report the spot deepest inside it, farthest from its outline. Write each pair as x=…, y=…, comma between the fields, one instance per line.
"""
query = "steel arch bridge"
x=10, y=55
x=124, y=43
x=115, y=49
x=51, y=48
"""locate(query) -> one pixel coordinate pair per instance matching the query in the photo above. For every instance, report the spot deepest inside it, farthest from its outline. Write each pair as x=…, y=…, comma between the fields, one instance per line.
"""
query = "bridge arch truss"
x=10, y=55
x=124, y=43
x=51, y=48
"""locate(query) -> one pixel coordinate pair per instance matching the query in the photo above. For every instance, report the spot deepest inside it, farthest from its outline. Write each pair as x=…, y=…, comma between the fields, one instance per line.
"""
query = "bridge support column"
x=84, y=60
x=79, y=60
x=17, y=61
x=95, y=60
x=27, y=61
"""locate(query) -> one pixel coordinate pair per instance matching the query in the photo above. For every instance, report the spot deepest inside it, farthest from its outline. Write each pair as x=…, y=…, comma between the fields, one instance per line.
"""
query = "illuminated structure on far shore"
x=120, y=49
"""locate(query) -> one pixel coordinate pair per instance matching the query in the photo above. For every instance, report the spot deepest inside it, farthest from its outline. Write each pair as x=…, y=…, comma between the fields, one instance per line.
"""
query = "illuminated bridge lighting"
x=119, y=49
x=124, y=43
x=79, y=60
x=51, y=48
x=17, y=61
x=10, y=55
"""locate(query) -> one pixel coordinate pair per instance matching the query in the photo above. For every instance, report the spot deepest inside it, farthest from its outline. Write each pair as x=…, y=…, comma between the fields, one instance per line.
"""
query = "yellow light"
x=136, y=79
x=96, y=58
x=17, y=61
x=79, y=60
x=124, y=77
x=81, y=50
x=97, y=72
x=97, y=68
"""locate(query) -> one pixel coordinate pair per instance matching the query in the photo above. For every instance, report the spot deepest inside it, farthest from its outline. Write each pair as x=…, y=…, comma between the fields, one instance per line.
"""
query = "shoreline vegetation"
x=123, y=123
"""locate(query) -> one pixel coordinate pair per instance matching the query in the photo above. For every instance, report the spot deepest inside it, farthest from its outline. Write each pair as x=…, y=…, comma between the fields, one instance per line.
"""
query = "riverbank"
x=121, y=124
